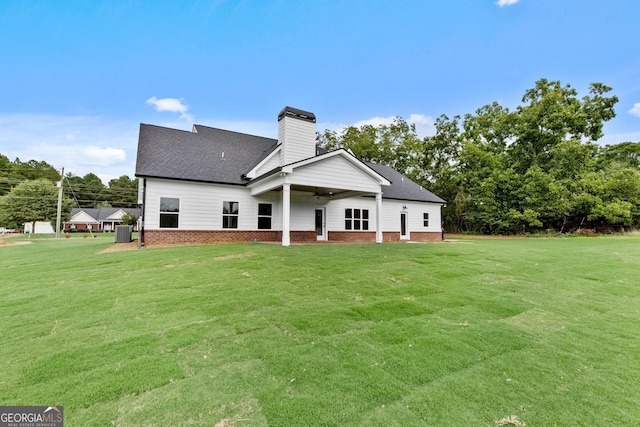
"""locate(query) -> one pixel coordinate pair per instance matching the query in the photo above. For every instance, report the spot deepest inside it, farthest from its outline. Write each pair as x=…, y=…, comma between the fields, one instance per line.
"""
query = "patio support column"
x=286, y=214
x=378, y=218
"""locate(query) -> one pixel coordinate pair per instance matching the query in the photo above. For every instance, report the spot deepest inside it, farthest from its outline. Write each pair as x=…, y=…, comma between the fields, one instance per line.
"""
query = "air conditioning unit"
x=123, y=233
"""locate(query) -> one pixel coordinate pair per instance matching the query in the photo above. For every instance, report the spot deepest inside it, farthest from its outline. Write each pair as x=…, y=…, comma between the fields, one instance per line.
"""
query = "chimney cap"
x=297, y=114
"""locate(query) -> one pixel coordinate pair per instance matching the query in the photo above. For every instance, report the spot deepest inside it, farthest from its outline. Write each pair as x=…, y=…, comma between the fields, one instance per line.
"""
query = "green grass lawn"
x=474, y=332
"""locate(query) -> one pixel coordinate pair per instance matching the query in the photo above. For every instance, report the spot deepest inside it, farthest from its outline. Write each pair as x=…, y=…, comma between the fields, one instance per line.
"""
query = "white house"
x=99, y=219
x=212, y=185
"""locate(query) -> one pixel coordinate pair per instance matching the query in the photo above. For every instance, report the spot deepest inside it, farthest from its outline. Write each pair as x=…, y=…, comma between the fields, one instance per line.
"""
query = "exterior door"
x=321, y=229
x=404, y=231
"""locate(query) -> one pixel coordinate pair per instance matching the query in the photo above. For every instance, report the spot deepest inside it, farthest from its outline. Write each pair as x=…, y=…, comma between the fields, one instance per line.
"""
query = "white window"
x=169, y=212
x=425, y=219
x=264, y=216
x=356, y=219
x=230, y=214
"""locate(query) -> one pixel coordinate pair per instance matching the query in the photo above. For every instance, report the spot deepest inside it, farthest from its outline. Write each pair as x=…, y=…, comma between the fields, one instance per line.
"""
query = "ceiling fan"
x=318, y=195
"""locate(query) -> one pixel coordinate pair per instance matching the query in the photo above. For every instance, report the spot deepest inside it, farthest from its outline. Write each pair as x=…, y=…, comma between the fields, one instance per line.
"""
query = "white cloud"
x=635, y=111
x=374, y=121
x=424, y=124
x=98, y=156
x=172, y=105
x=507, y=2
x=80, y=144
x=420, y=119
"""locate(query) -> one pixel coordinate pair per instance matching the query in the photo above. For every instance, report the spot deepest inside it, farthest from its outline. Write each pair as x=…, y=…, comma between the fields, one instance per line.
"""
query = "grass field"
x=478, y=332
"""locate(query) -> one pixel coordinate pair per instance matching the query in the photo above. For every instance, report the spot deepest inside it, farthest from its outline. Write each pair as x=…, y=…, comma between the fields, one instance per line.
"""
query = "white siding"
x=200, y=204
x=336, y=172
x=390, y=219
x=335, y=212
x=270, y=164
x=303, y=207
x=201, y=208
x=298, y=139
x=415, y=210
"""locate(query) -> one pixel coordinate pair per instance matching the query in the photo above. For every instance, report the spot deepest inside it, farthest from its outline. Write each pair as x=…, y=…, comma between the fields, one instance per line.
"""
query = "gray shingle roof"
x=93, y=213
x=207, y=155
x=100, y=214
x=222, y=156
x=402, y=188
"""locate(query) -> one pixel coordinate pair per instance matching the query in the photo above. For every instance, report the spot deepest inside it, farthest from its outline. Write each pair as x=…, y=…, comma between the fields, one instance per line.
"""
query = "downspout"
x=442, y=206
x=142, y=211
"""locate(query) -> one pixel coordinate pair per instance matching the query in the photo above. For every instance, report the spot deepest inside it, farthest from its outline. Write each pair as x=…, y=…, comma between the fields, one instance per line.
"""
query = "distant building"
x=41, y=227
x=101, y=219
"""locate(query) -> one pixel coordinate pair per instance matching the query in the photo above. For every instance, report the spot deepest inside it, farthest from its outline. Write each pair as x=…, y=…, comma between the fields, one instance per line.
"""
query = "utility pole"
x=59, y=213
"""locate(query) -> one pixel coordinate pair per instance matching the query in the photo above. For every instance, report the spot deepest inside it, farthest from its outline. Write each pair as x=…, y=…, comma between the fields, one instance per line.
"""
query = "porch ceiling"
x=326, y=193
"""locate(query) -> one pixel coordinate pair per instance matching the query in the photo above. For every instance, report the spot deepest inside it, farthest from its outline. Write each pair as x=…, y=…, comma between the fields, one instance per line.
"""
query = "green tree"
x=553, y=113
x=34, y=169
x=531, y=168
x=6, y=167
x=619, y=198
x=123, y=192
x=440, y=170
x=32, y=201
x=5, y=163
x=88, y=191
x=129, y=219
x=626, y=154
x=13, y=173
x=396, y=145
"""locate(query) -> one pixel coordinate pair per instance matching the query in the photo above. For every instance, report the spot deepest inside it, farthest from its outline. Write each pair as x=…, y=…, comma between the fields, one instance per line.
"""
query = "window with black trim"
x=264, y=216
x=356, y=219
x=230, y=214
x=425, y=218
x=169, y=212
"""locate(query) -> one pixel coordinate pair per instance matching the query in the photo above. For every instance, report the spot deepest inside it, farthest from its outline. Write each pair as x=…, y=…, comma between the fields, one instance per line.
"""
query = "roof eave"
x=188, y=179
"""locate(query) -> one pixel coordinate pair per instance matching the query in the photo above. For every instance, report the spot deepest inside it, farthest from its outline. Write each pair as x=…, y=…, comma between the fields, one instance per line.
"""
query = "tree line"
x=535, y=168
x=28, y=192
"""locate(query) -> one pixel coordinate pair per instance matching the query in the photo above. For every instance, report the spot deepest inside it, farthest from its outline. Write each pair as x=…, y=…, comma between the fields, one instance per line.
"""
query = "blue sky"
x=78, y=77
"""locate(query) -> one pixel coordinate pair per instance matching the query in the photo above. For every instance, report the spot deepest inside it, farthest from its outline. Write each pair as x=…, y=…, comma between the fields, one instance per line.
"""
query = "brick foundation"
x=203, y=237
x=425, y=236
x=387, y=236
x=352, y=236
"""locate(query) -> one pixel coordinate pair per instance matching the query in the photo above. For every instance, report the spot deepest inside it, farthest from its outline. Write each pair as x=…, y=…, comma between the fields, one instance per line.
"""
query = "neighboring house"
x=101, y=219
x=212, y=185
